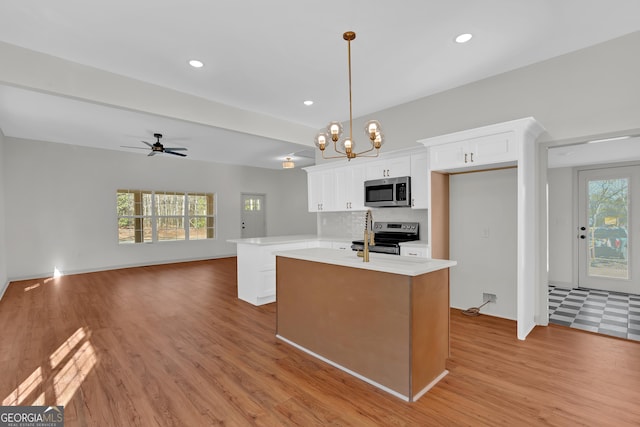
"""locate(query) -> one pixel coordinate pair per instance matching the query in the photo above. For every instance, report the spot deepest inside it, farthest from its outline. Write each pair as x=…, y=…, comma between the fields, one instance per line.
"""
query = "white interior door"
x=609, y=203
x=252, y=214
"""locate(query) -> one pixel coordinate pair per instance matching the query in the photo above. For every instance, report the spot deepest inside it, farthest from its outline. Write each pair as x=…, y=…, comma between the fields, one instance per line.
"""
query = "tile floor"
x=609, y=313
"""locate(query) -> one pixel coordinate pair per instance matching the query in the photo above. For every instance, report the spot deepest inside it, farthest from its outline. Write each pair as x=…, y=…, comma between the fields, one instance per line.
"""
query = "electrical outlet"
x=489, y=297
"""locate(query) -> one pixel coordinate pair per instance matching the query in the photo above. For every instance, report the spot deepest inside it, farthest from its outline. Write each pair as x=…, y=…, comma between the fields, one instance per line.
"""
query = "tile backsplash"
x=350, y=225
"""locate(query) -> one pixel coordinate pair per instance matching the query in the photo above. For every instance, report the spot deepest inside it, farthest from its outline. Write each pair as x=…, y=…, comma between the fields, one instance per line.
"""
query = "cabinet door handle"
x=471, y=157
x=465, y=158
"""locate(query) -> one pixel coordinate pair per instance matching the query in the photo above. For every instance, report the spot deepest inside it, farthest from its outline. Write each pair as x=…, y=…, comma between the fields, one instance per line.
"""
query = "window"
x=201, y=220
x=158, y=216
x=251, y=204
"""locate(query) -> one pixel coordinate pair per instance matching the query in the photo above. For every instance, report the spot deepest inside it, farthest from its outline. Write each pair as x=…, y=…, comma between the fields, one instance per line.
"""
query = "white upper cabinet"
x=349, y=188
x=485, y=150
x=388, y=168
x=321, y=190
x=341, y=188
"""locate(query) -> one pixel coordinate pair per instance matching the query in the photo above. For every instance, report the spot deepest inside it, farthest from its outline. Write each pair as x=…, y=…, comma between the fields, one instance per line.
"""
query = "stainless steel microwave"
x=388, y=192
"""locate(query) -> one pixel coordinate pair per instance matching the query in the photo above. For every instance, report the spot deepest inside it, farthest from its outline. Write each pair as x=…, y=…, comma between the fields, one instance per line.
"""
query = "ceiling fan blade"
x=150, y=145
x=153, y=153
x=175, y=149
x=173, y=152
x=137, y=148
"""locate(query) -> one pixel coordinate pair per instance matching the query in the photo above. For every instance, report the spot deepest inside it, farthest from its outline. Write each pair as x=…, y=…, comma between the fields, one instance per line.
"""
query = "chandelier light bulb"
x=335, y=130
x=321, y=140
x=372, y=128
x=378, y=140
x=348, y=145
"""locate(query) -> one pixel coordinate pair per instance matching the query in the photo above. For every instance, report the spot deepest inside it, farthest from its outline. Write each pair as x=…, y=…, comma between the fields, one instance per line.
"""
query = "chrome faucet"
x=368, y=236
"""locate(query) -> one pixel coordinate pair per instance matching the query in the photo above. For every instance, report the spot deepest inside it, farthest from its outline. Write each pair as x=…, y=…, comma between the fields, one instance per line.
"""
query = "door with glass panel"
x=252, y=215
x=609, y=205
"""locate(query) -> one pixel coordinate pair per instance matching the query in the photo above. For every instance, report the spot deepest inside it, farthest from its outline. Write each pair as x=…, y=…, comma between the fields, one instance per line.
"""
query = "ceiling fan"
x=157, y=147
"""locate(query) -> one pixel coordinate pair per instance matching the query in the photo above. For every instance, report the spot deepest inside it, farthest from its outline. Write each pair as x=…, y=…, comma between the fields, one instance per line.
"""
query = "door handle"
x=471, y=157
x=465, y=158
x=582, y=236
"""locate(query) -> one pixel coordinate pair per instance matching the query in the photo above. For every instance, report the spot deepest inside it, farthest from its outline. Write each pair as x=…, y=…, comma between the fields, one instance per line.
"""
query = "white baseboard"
x=4, y=289
x=116, y=267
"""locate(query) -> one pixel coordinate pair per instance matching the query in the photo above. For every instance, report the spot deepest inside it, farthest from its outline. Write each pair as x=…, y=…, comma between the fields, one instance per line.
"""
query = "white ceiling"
x=270, y=56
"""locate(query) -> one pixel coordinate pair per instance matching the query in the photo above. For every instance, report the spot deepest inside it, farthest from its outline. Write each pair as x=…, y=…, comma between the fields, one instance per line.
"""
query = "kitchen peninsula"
x=257, y=263
x=385, y=321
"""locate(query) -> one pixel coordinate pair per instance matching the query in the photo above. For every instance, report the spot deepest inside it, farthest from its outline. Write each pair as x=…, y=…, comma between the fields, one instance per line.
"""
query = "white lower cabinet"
x=257, y=270
x=415, y=249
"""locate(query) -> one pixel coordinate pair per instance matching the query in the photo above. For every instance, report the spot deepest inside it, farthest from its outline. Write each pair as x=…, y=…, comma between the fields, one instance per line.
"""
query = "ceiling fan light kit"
x=333, y=131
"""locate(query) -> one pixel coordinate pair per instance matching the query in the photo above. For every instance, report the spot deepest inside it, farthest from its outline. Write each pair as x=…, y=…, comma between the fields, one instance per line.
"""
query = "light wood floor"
x=172, y=345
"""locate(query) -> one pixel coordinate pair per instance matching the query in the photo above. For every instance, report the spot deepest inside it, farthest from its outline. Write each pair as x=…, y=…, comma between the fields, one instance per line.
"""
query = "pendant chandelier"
x=333, y=131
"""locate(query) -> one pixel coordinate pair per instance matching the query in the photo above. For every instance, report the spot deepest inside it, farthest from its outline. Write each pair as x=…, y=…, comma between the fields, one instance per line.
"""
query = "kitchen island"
x=385, y=321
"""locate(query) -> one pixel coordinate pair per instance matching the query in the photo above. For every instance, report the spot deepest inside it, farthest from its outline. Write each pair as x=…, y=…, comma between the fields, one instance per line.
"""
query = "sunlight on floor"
x=32, y=287
x=77, y=357
x=17, y=396
x=70, y=378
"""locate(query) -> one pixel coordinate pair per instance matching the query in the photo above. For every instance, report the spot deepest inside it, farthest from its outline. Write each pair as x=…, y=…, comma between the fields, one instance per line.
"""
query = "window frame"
x=139, y=216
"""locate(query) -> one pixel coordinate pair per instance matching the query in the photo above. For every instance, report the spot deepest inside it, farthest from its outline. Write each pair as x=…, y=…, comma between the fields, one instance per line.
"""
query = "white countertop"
x=407, y=266
x=278, y=240
x=275, y=240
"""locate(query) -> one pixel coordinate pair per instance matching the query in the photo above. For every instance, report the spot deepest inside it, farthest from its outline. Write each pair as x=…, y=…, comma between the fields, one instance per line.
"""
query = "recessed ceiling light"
x=196, y=64
x=463, y=38
x=308, y=102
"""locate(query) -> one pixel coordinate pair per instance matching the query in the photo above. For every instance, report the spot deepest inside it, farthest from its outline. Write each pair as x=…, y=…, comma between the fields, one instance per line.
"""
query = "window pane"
x=169, y=204
x=197, y=204
x=126, y=230
x=200, y=227
x=147, y=198
x=125, y=203
x=608, y=218
x=170, y=228
x=134, y=229
x=252, y=205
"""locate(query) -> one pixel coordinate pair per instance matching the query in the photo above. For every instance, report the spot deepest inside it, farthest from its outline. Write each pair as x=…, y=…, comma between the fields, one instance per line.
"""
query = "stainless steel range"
x=388, y=236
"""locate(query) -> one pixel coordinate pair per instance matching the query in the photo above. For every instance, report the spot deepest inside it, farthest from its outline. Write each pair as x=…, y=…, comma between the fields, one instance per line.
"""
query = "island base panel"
x=364, y=320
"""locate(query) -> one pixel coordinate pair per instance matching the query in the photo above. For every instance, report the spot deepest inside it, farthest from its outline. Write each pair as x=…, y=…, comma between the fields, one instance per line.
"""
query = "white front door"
x=252, y=215
x=609, y=225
